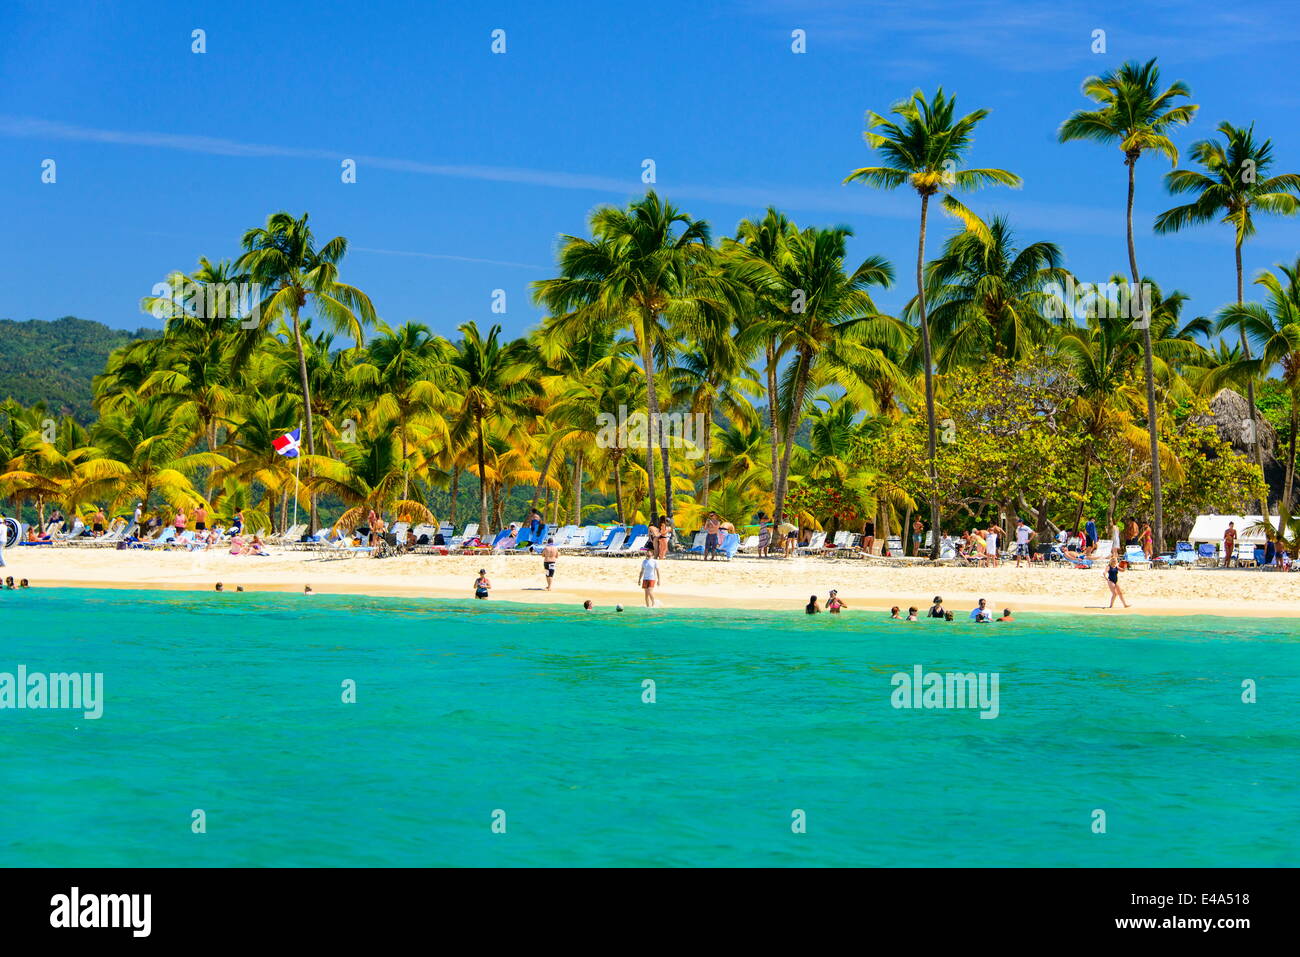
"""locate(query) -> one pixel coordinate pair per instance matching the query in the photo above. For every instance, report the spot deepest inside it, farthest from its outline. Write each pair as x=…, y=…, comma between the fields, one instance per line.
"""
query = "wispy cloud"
x=459, y=259
x=833, y=200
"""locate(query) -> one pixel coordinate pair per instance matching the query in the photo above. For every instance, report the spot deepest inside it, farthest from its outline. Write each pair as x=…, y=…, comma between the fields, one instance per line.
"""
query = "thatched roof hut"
x=1230, y=416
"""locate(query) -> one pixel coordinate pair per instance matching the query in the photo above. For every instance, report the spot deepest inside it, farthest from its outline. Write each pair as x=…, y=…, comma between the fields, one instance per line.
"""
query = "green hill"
x=54, y=361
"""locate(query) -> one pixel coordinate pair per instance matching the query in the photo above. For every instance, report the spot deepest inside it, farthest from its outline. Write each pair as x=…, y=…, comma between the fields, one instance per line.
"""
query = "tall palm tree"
x=1233, y=184
x=831, y=335
x=496, y=381
x=761, y=242
x=1136, y=114
x=647, y=266
x=1273, y=329
x=924, y=152
x=284, y=258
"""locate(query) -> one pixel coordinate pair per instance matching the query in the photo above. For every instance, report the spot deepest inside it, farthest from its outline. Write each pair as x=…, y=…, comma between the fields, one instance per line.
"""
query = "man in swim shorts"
x=550, y=555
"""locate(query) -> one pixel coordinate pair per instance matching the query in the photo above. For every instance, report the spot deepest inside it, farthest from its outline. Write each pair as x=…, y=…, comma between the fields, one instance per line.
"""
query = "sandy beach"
x=742, y=583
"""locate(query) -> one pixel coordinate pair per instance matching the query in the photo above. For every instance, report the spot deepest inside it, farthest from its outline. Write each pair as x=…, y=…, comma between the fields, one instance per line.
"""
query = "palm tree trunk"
x=1257, y=445
x=771, y=409
x=577, y=488
x=1153, y=428
x=652, y=407
x=1290, y=455
x=406, y=474
x=306, y=404
x=791, y=426
x=618, y=491
x=931, y=423
x=708, y=456
x=485, y=527
x=455, y=487
x=541, y=481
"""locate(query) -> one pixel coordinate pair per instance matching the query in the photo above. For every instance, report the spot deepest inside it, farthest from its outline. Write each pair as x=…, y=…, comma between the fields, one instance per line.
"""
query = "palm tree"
x=282, y=256
x=368, y=474
x=1273, y=328
x=496, y=382
x=405, y=375
x=830, y=332
x=644, y=265
x=761, y=243
x=1135, y=113
x=709, y=375
x=990, y=298
x=1232, y=186
x=924, y=152
x=144, y=449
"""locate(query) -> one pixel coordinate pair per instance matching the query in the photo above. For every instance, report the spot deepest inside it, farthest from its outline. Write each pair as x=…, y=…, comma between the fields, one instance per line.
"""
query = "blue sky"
x=470, y=164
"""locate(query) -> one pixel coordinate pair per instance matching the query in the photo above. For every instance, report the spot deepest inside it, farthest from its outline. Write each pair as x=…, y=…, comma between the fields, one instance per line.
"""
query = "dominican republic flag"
x=287, y=445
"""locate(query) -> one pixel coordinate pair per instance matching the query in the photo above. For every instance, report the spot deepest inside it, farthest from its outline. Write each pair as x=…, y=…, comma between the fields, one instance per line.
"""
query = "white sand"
x=742, y=583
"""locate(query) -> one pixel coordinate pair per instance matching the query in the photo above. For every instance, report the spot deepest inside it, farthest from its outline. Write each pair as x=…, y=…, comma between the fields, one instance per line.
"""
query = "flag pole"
x=297, y=467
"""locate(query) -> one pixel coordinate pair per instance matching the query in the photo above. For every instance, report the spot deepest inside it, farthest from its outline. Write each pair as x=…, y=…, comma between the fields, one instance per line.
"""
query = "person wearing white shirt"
x=1023, y=534
x=649, y=578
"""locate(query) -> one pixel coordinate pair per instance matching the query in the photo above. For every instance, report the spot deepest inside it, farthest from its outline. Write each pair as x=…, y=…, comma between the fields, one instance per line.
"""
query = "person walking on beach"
x=550, y=555
x=1229, y=544
x=1112, y=581
x=649, y=578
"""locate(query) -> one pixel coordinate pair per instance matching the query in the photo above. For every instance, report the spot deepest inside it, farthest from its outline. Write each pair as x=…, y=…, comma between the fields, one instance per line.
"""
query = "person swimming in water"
x=1006, y=615
x=893, y=612
x=812, y=607
x=911, y=613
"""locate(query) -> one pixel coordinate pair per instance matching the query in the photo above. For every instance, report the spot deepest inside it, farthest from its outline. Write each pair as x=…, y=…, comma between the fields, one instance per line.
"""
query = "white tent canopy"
x=1210, y=528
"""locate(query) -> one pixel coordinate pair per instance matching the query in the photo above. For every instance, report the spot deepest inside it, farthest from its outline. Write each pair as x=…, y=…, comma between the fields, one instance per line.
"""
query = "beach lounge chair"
x=816, y=544
x=601, y=544
x=730, y=545
x=1207, y=553
x=1246, y=556
x=1183, y=554
x=749, y=544
x=454, y=541
x=1136, y=557
x=630, y=545
x=614, y=543
x=894, y=548
x=697, y=545
x=1259, y=556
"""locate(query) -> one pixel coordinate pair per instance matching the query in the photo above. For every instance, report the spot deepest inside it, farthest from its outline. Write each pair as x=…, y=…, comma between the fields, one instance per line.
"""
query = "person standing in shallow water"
x=649, y=578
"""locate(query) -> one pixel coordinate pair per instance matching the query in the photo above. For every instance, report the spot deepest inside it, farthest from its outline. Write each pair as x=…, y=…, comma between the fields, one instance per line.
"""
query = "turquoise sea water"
x=232, y=704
